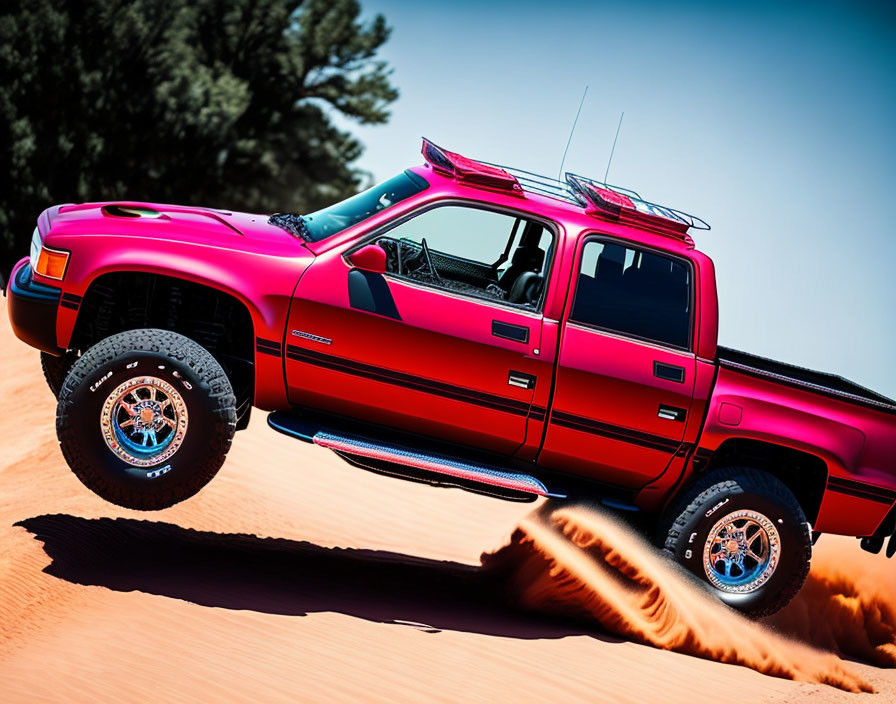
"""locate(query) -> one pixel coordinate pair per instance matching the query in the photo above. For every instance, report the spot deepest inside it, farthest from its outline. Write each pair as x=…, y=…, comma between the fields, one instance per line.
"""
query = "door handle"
x=521, y=380
x=671, y=412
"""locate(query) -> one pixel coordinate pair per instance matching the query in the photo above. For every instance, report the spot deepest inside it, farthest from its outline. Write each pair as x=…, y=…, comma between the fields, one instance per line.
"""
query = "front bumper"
x=32, y=309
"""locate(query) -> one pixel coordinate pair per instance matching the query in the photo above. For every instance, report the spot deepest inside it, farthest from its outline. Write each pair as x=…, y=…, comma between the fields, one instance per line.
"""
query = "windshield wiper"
x=293, y=224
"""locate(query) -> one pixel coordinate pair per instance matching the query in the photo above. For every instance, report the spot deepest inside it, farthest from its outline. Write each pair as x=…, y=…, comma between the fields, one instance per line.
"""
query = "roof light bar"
x=467, y=170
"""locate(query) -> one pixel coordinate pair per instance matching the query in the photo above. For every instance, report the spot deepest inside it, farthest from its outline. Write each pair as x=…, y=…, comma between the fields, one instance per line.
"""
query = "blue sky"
x=776, y=124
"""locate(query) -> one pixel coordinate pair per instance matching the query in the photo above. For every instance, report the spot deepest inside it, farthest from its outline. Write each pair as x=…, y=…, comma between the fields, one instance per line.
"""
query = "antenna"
x=613, y=150
x=569, y=141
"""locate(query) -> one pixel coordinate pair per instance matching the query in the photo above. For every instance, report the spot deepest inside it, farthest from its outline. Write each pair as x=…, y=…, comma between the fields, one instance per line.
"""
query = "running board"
x=460, y=470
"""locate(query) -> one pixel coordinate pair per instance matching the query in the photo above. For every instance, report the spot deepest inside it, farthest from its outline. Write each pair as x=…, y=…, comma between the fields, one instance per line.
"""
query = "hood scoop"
x=174, y=214
x=131, y=211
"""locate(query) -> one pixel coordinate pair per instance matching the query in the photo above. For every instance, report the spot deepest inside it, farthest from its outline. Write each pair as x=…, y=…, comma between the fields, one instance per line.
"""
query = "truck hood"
x=208, y=226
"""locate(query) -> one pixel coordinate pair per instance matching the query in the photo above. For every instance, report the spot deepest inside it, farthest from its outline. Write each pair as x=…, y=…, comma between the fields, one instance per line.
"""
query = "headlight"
x=35, y=249
x=45, y=261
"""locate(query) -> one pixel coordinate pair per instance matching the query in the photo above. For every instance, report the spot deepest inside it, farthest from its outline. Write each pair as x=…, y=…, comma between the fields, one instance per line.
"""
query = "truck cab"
x=523, y=309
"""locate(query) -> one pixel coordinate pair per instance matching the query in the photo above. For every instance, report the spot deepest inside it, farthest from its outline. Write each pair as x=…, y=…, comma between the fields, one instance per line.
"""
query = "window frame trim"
x=627, y=244
x=550, y=256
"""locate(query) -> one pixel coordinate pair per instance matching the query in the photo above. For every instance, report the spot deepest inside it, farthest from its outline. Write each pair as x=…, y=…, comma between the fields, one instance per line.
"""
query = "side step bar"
x=461, y=470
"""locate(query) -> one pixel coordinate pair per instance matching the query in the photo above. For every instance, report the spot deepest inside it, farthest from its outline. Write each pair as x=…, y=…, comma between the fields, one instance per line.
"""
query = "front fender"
x=263, y=282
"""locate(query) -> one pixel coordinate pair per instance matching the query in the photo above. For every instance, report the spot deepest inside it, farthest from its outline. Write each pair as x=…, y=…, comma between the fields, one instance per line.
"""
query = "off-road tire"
x=689, y=522
x=176, y=360
x=55, y=369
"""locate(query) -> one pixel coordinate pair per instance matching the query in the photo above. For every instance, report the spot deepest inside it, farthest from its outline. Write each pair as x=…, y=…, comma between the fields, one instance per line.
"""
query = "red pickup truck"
x=463, y=325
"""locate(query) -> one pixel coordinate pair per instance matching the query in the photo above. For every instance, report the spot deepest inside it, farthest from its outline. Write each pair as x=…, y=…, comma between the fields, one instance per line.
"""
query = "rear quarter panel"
x=856, y=442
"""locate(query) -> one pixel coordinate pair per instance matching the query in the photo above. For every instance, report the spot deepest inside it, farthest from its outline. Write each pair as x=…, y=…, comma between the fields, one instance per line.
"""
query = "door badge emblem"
x=313, y=338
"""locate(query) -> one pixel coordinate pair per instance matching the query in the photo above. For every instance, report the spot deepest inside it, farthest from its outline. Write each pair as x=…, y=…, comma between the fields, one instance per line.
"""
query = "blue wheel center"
x=739, y=555
x=143, y=428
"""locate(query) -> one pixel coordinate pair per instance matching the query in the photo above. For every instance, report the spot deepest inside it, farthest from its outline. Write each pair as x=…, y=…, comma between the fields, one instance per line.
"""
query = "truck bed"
x=819, y=382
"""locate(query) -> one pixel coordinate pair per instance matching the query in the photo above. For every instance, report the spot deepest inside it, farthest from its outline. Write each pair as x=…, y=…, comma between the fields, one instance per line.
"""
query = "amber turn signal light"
x=52, y=263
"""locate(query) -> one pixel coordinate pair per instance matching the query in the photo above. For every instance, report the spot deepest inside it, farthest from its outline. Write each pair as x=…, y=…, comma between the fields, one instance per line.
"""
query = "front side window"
x=634, y=292
x=340, y=216
x=483, y=253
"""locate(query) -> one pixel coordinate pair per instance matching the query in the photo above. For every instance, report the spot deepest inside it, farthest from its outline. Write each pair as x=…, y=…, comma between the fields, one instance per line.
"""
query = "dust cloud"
x=579, y=562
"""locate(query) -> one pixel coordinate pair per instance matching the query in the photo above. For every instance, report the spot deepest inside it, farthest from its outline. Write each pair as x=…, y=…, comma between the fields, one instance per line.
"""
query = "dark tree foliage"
x=224, y=103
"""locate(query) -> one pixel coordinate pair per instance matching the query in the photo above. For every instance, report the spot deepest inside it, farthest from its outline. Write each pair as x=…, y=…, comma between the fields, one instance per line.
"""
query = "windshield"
x=340, y=216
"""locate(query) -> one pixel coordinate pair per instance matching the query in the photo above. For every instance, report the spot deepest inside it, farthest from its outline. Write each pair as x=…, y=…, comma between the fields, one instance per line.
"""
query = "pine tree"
x=225, y=103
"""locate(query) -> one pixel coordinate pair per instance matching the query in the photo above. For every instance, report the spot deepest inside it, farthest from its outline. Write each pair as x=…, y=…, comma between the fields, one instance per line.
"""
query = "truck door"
x=625, y=371
x=442, y=343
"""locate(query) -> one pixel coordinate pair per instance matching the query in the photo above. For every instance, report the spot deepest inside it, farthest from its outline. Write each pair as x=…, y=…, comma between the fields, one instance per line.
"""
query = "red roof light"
x=467, y=170
x=601, y=200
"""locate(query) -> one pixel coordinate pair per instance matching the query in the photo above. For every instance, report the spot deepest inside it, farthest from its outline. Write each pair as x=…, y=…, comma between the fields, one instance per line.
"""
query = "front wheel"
x=145, y=418
x=742, y=532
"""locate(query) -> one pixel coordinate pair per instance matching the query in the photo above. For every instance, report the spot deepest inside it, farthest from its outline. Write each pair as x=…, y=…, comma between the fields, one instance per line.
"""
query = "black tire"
x=689, y=525
x=55, y=369
x=202, y=388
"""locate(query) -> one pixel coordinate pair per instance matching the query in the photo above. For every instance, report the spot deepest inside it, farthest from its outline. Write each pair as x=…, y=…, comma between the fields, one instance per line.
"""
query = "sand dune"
x=294, y=577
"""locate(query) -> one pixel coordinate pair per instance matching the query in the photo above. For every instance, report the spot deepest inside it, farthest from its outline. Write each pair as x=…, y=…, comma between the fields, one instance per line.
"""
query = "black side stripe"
x=860, y=490
x=388, y=376
x=615, y=432
x=538, y=414
x=70, y=300
x=684, y=450
x=268, y=347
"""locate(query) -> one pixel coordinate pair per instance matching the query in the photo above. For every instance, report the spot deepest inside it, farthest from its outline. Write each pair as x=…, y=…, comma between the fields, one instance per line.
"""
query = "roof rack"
x=597, y=197
x=543, y=185
x=608, y=197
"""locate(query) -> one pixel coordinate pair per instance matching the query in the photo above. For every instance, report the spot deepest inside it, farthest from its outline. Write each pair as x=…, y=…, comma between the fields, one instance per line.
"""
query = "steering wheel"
x=428, y=258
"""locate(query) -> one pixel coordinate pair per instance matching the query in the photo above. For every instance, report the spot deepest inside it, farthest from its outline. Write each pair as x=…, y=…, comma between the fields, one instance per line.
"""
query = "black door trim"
x=509, y=331
x=669, y=372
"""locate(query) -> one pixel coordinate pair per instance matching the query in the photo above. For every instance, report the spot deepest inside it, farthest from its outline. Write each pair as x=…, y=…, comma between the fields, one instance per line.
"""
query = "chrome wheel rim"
x=741, y=552
x=144, y=421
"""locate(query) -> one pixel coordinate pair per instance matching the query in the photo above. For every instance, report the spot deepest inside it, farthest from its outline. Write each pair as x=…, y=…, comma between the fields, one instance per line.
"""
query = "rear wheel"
x=145, y=418
x=742, y=532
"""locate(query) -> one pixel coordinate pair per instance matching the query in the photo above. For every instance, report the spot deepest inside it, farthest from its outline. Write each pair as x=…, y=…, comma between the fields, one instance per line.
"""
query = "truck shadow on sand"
x=279, y=576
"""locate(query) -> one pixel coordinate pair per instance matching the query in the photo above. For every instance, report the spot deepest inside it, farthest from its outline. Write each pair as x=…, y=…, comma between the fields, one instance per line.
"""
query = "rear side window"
x=634, y=292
